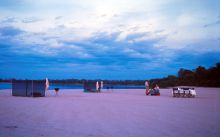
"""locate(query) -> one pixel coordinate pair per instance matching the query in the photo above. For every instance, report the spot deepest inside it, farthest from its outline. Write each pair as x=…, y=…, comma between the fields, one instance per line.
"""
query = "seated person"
x=154, y=91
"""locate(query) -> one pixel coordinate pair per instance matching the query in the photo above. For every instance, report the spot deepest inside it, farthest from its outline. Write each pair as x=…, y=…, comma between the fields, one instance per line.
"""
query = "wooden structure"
x=29, y=88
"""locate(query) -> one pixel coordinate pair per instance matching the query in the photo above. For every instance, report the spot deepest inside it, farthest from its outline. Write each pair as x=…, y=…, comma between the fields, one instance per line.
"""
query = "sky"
x=107, y=39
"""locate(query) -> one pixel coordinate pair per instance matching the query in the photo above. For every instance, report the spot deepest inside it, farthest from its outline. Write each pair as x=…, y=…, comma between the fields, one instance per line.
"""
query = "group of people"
x=152, y=89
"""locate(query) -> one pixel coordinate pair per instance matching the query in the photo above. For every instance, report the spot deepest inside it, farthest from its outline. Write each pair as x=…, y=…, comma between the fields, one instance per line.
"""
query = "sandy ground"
x=118, y=113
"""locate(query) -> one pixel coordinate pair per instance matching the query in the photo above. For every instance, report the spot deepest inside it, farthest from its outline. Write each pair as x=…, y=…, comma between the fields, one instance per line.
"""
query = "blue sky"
x=107, y=39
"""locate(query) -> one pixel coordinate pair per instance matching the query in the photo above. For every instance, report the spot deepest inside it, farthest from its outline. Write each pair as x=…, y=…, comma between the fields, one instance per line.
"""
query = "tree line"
x=198, y=77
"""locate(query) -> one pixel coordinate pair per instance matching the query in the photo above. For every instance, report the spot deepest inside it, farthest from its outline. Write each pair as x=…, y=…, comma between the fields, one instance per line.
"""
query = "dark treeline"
x=198, y=77
x=81, y=81
x=111, y=82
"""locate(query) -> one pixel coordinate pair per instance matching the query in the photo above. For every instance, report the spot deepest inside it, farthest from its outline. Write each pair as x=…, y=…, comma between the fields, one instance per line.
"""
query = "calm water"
x=5, y=86
x=52, y=86
x=70, y=86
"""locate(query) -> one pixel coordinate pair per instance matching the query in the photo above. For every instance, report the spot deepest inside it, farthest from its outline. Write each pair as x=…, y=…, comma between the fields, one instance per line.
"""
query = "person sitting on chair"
x=154, y=91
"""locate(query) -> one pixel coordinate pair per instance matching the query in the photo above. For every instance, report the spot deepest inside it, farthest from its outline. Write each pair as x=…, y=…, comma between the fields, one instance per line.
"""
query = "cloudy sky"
x=107, y=39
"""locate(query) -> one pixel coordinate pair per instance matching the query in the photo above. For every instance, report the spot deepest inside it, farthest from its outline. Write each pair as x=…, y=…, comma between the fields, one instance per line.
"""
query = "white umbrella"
x=101, y=84
x=97, y=86
x=47, y=85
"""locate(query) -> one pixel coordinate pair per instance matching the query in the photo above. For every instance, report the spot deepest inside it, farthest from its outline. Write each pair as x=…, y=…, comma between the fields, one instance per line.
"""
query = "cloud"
x=11, y=3
x=128, y=43
x=9, y=31
x=108, y=39
x=8, y=20
x=30, y=20
x=212, y=24
x=58, y=17
x=137, y=54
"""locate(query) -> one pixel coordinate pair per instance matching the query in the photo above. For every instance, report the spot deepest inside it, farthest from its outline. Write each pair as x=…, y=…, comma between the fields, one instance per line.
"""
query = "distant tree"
x=184, y=73
x=201, y=72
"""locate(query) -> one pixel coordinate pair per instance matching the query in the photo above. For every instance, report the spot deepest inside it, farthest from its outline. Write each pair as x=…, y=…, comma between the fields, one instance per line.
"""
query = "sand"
x=118, y=113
